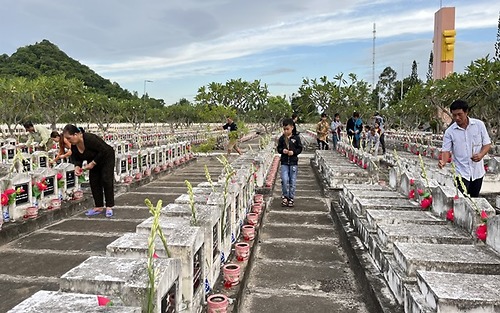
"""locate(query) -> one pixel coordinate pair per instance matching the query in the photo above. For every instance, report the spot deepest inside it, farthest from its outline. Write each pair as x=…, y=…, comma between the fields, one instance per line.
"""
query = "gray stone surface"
x=472, y=259
x=375, y=217
x=121, y=278
x=458, y=292
x=417, y=233
x=65, y=302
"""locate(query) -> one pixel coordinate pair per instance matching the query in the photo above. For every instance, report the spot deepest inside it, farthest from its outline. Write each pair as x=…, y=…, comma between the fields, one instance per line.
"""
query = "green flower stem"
x=194, y=220
x=155, y=231
x=458, y=179
x=209, y=178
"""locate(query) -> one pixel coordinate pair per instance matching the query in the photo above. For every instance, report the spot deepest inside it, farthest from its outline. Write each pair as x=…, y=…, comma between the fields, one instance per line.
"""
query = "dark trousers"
x=322, y=145
x=382, y=142
x=473, y=186
x=102, y=178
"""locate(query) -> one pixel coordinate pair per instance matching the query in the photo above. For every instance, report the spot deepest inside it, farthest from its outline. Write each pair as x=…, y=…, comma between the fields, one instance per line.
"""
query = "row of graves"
x=176, y=257
x=32, y=182
x=438, y=250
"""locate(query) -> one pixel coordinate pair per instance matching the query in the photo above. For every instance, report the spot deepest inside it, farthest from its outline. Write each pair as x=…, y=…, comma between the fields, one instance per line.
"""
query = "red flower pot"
x=242, y=251
x=217, y=303
x=231, y=275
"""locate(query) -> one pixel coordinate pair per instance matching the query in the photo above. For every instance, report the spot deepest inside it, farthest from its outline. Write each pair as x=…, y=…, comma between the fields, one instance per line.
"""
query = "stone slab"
x=137, y=198
x=15, y=292
x=95, y=226
x=302, y=204
x=376, y=217
x=55, y=241
x=458, y=292
x=294, y=303
x=300, y=252
x=369, y=194
x=127, y=213
x=197, y=198
x=417, y=233
x=136, y=245
x=299, y=219
x=29, y=264
x=167, y=224
x=472, y=259
x=311, y=234
x=160, y=188
x=124, y=278
x=382, y=203
x=65, y=302
x=287, y=275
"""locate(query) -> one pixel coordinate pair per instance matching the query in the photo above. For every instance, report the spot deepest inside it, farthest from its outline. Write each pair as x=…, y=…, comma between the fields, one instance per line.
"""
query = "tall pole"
x=144, y=94
x=373, y=64
x=402, y=79
x=373, y=58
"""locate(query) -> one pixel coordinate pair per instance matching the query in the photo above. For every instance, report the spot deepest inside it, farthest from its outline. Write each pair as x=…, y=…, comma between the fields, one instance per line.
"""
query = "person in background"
x=295, y=118
x=100, y=159
x=380, y=130
x=378, y=119
x=233, y=135
x=39, y=134
x=322, y=129
x=372, y=140
x=354, y=128
x=63, y=145
x=336, y=128
x=289, y=147
x=468, y=141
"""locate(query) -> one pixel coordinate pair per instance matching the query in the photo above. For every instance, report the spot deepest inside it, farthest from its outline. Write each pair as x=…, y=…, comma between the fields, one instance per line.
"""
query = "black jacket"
x=96, y=150
x=294, y=145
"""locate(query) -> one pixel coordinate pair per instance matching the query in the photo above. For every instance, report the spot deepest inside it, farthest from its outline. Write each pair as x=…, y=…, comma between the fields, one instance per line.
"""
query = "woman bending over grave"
x=64, y=146
x=100, y=159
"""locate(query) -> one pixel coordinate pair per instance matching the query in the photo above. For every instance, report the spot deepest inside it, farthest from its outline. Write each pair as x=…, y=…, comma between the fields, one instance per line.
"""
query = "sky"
x=171, y=48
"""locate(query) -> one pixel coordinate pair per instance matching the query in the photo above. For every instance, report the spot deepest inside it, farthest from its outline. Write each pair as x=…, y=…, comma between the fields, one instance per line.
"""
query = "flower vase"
x=5, y=214
x=31, y=212
x=77, y=195
x=55, y=204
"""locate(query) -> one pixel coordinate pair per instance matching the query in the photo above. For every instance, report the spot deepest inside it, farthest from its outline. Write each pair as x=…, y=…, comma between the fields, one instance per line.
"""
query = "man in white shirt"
x=468, y=141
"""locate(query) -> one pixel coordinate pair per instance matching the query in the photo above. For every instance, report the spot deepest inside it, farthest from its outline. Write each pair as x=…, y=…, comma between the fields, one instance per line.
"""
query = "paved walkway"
x=299, y=264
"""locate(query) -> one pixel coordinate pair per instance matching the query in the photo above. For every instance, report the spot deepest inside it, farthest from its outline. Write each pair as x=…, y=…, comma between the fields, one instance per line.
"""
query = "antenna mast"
x=373, y=58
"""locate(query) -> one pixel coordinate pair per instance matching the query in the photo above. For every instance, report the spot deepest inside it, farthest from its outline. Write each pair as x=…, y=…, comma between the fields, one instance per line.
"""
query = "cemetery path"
x=299, y=263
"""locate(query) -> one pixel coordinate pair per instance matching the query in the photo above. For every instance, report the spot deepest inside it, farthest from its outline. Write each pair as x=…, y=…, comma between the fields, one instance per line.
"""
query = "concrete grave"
x=185, y=243
x=126, y=279
x=67, y=302
x=445, y=292
x=467, y=212
x=417, y=233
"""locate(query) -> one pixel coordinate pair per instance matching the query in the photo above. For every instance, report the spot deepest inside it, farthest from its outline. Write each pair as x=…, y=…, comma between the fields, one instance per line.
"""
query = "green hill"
x=45, y=58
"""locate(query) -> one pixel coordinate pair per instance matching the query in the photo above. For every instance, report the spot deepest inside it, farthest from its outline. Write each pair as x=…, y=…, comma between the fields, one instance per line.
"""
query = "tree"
x=54, y=96
x=386, y=86
x=15, y=101
x=430, y=71
x=276, y=109
x=497, y=43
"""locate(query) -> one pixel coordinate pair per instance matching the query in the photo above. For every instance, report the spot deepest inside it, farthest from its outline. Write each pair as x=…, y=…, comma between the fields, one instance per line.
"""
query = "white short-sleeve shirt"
x=463, y=143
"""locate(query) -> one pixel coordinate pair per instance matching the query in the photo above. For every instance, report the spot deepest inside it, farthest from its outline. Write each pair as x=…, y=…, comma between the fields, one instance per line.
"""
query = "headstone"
x=39, y=159
x=70, y=180
x=127, y=279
